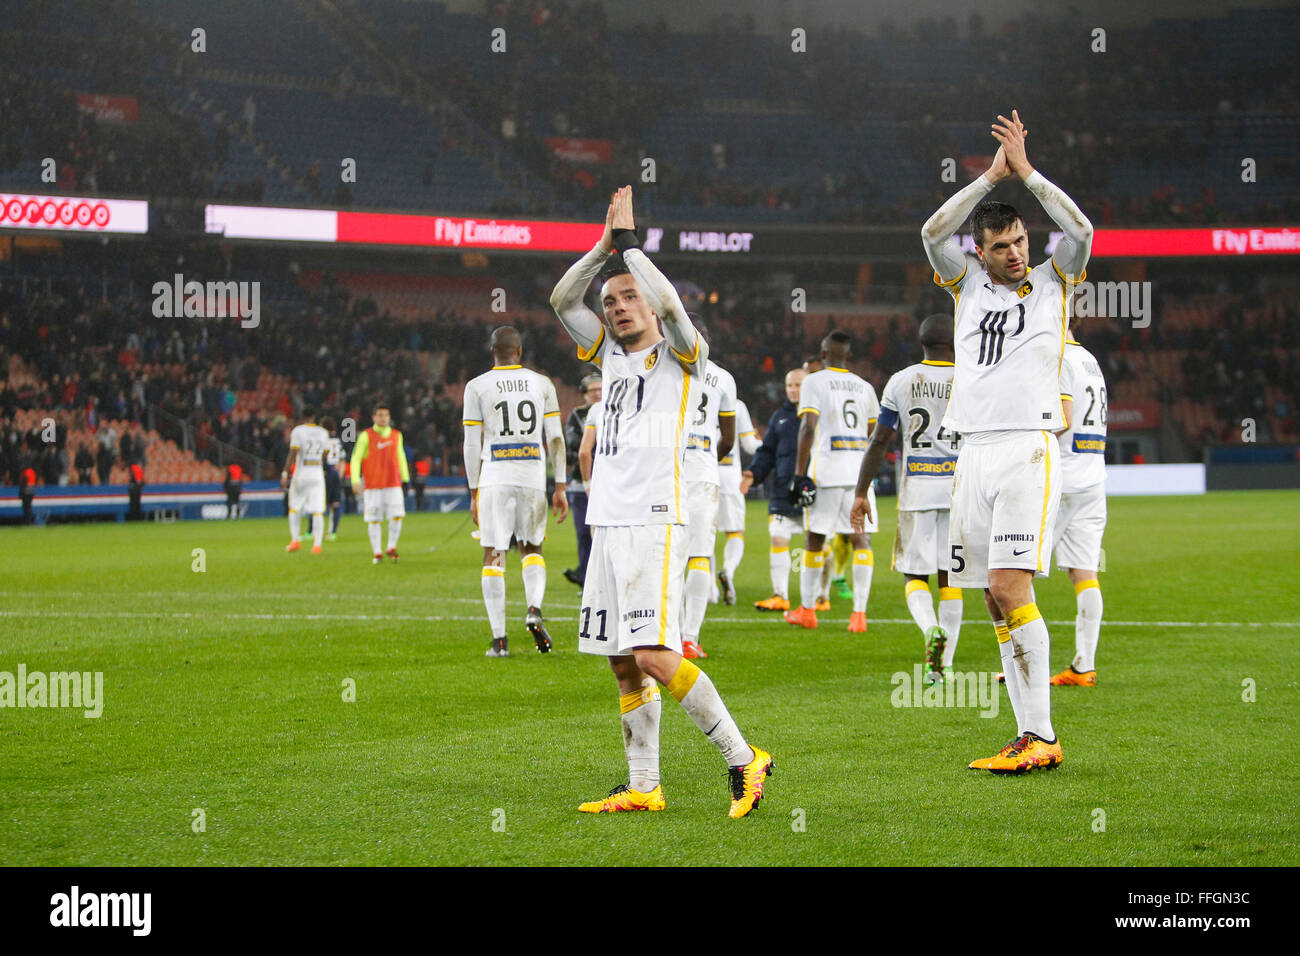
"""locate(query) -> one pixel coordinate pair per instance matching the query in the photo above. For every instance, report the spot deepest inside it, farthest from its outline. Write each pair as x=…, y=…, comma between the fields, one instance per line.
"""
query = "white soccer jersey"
x=729, y=470
x=913, y=404
x=638, y=474
x=847, y=409
x=312, y=442
x=512, y=404
x=712, y=397
x=1083, y=445
x=333, y=453
x=1009, y=344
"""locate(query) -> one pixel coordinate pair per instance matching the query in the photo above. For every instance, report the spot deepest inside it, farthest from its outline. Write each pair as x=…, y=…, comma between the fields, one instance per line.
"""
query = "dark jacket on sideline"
x=776, y=457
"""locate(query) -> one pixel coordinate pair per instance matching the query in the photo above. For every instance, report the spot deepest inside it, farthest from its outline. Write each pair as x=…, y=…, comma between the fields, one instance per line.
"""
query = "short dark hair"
x=613, y=268
x=382, y=406
x=327, y=422
x=840, y=337
x=994, y=216
x=308, y=412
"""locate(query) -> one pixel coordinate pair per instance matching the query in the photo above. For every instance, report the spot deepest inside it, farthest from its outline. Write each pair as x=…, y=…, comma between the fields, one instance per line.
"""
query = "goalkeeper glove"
x=803, y=491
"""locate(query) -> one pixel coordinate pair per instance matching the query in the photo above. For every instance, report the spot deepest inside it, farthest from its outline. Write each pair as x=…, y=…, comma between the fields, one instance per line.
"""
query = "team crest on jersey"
x=651, y=359
x=1025, y=289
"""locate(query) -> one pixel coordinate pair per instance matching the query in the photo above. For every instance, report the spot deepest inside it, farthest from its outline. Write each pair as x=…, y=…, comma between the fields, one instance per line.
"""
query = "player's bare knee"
x=629, y=676
x=659, y=662
x=493, y=558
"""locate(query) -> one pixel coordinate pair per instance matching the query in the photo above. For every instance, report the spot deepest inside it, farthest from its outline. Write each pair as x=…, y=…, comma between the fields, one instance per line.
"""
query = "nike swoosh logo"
x=382, y=444
x=640, y=628
x=446, y=506
x=1018, y=553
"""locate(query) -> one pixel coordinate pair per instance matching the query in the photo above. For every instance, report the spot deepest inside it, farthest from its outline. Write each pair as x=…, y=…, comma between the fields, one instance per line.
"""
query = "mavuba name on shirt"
x=56, y=689
x=103, y=909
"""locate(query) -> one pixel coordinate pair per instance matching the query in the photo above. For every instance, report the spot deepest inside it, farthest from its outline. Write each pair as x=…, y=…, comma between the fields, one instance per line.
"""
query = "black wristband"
x=625, y=239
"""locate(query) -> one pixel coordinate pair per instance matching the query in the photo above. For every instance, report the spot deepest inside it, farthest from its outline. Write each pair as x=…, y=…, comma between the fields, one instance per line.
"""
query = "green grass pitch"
x=223, y=692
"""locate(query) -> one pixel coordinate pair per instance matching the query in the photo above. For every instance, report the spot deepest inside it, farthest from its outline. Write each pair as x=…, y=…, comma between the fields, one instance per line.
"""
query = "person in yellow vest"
x=379, y=460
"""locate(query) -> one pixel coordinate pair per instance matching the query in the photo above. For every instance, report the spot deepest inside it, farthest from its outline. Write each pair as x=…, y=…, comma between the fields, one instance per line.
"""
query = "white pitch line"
x=756, y=619
x=479, y=617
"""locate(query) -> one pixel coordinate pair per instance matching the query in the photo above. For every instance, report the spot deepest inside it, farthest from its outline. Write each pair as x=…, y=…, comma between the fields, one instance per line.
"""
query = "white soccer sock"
x=692, y=688
x=814, y=563
x=317, y=529
x=732, y=552
x=950, y=608
x=1011, y=671
x=920, y=603
x=1029, y=635
x=295, y=525
x=778, y=566
x=534, y=579
x=376, y=537
x=696, y=597
x=864, y=563
x=1087, y=624
x=641, y=710
x=494, y=599
x=394, y=532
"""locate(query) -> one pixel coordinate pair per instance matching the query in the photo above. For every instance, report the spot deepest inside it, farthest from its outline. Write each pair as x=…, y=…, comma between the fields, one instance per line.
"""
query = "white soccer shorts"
x=511, y=510
x=1005, y=495
x=307, y=492
x=921, y=544
x=382, y=503
x=829, y=512
x=1080, y=523
x=633, y=593
x=783, y=526
x=731, y=511
x=702, y=516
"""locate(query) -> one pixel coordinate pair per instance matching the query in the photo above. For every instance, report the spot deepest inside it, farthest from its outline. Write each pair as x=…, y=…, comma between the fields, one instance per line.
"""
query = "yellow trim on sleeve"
x=590, y=353
x=1066, y=279
x=470, y=421
x=551, y=415
x=693, y=357
x=951, y=282
x=804, y=411
x=724, y=414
